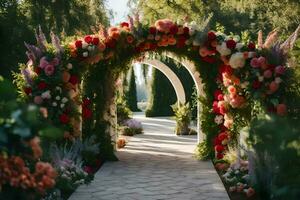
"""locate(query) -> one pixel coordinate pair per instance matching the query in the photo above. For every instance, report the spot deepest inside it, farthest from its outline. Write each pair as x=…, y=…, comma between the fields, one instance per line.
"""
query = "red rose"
x=174, y=29
x=217, y=93
x=217, y=141
x=152, y=30
x=225, y=69
x=111, y=43
x=78, y=44
x=208, y=59
x=256, y=84
x=220, y=156
x=223, y=110
x=211, y=36
x=86, y=102
x=222, y=136
x=124, y=24
x=251, y=46
x=88, y=39
x=64, y=118
x=86, y=113
x=219, y=148
x=42, y=85
x=74, y=80
x=181, y=42
x=28, y=90
x=96, y=41
x=216, y=109
x=153, y=46
x=230, y=44
x=37, y=70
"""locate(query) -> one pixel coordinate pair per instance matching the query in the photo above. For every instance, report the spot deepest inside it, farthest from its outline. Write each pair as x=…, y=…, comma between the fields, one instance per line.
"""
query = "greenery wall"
x=131, y=93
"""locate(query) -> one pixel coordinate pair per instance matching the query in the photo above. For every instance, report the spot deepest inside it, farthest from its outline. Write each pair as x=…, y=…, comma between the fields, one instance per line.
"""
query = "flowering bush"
x=131, y=127
x=22, y=174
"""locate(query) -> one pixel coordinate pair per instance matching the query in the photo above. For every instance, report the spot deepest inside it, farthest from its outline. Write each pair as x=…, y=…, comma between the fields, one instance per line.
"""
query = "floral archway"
x=76, y=80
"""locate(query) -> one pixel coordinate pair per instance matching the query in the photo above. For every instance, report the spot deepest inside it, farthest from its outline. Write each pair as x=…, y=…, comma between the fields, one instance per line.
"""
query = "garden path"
x=155, y=165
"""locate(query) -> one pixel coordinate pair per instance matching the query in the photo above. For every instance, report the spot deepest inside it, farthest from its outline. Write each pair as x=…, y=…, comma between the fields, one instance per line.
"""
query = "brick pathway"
x=155, y=165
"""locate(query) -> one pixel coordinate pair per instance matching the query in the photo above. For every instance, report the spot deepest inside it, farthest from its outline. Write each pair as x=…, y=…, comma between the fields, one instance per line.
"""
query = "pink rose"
x=55, y=61
x=281, y=109
x=254, y=63
x=38, y=100
x=273, y=86
x=268, y=73
x=43, y=62
x=49, y=70
x=280, y=70
x=232, y=90
x=261, y=60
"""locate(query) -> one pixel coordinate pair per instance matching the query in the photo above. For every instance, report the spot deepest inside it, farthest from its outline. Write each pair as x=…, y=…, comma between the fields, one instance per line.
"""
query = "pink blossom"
x=43, y=62
x=232, y=90
x=55, y=61
x=254, y=63
x=280, y=70
x=261, y=60
x=268, y=73
x=49, y=70
x=250, y=192
x=38, y=100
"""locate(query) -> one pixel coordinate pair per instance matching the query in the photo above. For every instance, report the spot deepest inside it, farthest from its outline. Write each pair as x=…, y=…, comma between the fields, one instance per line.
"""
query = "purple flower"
x=132, y=123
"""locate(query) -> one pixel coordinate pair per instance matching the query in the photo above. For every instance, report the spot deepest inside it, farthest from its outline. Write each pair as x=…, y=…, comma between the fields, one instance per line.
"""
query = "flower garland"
x=245, y=72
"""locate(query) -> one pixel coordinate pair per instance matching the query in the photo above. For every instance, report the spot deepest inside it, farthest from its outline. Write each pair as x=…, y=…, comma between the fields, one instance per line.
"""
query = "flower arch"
x=76, y=81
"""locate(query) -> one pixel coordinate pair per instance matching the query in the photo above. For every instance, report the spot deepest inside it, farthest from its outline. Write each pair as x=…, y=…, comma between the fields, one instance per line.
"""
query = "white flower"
x=261, y=78
x=219, y=119
x=69, y=66
x=196, y=43
x=278, y=80
x=62, y=105
x=64, y=100
x=239, y=46
x=223, y=50
x=84, y=45
x=46, y=95
x=57, y=98
x=54, y=104
x=85, y=54
x=251, y=54
x=237, y=60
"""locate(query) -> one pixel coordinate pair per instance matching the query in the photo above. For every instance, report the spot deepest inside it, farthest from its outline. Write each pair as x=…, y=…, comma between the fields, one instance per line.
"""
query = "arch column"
x=176, y=83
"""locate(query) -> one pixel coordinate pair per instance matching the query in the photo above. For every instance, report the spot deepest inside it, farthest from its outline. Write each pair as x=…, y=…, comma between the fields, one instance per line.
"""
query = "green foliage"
x=128, y=131
x=131, y=96
x=202, y=152
x=276, y=146
x=182, y=118
x=123, y=112
x=162, y=96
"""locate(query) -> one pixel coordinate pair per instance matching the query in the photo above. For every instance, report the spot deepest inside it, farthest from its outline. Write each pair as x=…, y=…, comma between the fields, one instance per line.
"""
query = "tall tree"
x=131, y=95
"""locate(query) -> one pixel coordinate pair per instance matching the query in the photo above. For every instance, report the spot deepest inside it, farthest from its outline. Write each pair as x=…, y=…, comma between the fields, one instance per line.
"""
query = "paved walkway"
x=155, y=165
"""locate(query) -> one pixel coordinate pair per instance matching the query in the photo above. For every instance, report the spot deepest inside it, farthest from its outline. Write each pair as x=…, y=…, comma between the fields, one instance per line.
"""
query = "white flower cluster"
x=59, y=101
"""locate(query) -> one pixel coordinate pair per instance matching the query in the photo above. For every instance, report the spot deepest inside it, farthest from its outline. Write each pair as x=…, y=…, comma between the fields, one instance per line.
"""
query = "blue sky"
x=120, y=10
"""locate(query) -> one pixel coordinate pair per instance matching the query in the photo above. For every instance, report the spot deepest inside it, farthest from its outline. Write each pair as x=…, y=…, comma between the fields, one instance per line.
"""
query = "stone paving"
x=155, y=165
